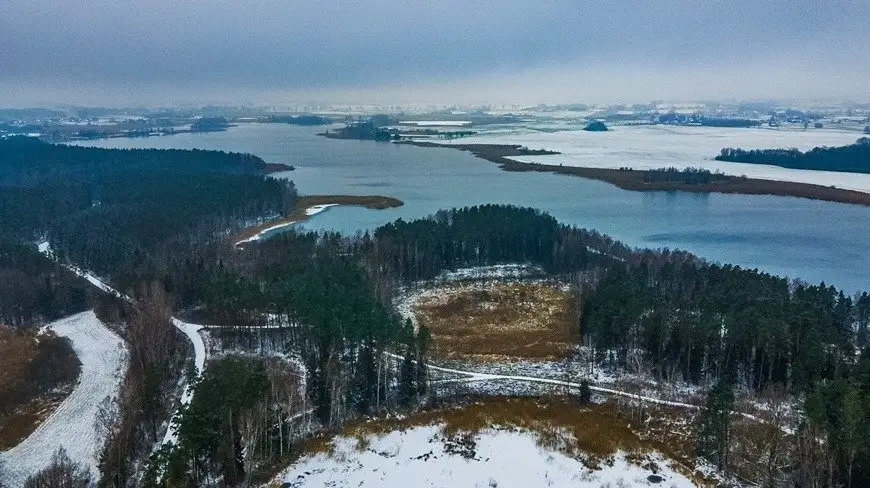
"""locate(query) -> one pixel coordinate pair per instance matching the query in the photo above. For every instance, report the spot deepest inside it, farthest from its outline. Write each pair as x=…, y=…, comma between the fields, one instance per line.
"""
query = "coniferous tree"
x=714, y=429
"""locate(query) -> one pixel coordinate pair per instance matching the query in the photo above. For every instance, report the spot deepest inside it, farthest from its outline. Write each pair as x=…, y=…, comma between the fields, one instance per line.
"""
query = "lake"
x=800, y=238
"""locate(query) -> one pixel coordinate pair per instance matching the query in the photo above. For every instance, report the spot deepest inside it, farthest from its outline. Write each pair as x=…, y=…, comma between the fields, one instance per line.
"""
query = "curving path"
x=103, y=356
x=475, y=376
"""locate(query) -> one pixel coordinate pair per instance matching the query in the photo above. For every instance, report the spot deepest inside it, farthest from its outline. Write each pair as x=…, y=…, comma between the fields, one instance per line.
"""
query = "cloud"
x=243, y=52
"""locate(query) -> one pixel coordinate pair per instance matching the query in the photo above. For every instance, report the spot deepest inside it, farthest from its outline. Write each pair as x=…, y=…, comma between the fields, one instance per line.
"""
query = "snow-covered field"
x=501, y=458
x=103, y=357
x=661, y=146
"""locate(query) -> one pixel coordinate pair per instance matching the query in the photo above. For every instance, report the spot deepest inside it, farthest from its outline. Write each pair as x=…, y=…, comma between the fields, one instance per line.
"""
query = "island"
x=596, y=126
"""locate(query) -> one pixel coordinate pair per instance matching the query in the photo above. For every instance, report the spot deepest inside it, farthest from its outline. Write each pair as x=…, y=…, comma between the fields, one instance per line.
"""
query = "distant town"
x=425, y=121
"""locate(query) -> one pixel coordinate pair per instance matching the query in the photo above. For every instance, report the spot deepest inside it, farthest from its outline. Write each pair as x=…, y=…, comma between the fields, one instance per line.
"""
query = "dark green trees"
x=714, y=427
x=212, y=431
x=854, y=158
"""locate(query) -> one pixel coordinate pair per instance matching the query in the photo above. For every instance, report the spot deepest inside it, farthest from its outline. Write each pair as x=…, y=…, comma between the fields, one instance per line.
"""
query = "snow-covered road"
x=475, y=376
x=192, y=333
x=471, y=376
x=104, y=357
x=190, y=330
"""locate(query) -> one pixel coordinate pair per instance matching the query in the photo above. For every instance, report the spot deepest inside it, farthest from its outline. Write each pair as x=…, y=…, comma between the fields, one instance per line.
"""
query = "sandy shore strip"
x=310, y=205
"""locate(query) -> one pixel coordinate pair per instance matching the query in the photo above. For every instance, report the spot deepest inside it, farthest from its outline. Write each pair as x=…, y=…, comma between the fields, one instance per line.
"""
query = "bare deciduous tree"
x=61, y=473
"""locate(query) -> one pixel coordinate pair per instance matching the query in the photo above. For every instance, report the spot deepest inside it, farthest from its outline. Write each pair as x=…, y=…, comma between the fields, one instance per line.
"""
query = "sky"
x=161, y=52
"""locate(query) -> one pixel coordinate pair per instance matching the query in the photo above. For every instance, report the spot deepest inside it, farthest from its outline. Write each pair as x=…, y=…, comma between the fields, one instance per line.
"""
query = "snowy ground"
x=500, y=458
x=190, y=330
x=660, y=146
x=103, y=357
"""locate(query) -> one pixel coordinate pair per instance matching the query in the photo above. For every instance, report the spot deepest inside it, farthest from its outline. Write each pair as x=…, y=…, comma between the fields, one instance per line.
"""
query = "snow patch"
x=424, y=457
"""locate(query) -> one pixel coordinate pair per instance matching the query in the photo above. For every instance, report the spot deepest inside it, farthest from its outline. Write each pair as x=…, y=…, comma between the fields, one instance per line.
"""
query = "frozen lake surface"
x=663, y=146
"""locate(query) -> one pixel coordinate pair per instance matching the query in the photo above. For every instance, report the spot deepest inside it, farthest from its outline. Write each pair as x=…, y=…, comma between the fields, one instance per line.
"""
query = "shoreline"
x=309, y=205
x=631, y=179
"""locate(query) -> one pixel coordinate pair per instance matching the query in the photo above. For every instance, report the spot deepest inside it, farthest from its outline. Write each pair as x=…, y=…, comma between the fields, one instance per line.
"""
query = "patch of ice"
x=310, y=211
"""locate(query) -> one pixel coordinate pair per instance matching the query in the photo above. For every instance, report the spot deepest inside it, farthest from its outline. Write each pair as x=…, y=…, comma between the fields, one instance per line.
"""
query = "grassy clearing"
x=375, y=202
x=498, y=321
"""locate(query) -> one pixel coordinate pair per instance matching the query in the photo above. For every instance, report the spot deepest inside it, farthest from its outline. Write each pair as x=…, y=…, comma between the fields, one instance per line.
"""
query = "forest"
x=113, y=211
x=663, y=313
x=854, y=158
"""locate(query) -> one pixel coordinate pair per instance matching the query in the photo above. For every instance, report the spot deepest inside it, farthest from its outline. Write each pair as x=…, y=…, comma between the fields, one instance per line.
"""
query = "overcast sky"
x=447, y=51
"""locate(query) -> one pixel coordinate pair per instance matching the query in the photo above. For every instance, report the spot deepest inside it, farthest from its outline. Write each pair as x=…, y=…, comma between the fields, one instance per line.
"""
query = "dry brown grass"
x=499, y=321
x=16, y=426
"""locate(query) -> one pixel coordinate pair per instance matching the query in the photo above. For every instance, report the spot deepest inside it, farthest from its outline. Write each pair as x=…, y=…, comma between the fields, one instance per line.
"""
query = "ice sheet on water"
x=663, y=146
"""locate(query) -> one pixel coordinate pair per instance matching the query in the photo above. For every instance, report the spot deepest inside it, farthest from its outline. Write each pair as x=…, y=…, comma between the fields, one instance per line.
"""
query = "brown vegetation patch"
x=16, y=426
x=498, y=321
x=375, y=202
x=36, y=373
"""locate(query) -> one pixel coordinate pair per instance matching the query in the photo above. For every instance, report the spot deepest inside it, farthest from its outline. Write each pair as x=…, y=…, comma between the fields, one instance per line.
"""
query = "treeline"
x=687, y=176
x=697, y=119
x=699, y=322
x=133, y=422
x=485, y=235
x=368, y=130
x=27, y=160
x=854, y=158
x=34, y=289
x=209, y=124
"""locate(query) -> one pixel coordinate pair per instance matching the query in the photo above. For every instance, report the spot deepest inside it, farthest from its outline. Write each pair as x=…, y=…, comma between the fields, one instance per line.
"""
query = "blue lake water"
x=800, y=238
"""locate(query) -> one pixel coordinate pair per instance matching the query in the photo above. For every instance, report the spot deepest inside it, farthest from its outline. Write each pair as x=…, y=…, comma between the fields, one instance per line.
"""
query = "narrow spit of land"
x=630, y=179
x=309, y=205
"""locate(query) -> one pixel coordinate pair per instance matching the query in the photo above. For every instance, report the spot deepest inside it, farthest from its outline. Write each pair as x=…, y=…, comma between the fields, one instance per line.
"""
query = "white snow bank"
x=496, y=271
x=103, y=357
x=310, y=211
x=419, y=457
x=662, y=146
x=316, y=209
